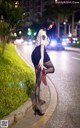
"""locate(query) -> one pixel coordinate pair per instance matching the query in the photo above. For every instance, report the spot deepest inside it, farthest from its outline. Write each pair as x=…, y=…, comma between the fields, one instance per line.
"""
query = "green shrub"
x=16, y=81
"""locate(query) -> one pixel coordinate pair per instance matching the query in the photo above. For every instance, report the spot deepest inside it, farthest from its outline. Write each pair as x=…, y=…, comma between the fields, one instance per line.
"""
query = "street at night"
x=40, y=64
x=66, y=80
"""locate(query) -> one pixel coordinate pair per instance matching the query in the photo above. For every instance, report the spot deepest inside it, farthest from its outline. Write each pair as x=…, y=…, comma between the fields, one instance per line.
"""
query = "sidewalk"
x=24, y=116
x=72, y=49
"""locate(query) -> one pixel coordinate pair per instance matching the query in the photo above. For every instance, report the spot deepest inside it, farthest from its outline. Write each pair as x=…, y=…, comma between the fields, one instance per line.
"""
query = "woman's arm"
x=42, y=44
x=42, y=51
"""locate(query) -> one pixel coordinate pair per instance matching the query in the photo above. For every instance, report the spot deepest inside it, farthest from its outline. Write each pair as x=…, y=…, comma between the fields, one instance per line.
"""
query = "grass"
x=16, y=80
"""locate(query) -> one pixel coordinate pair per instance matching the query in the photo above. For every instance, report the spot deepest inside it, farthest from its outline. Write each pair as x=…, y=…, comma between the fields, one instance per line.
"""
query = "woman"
x=40, y=60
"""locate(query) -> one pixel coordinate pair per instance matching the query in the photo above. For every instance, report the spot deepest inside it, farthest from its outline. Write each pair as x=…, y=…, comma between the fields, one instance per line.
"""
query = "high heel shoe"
x=33, y=107
x=39, y=112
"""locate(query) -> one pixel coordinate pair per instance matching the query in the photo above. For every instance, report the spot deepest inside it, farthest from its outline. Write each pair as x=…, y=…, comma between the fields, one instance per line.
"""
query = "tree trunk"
x=65, y=29
x=58, y=26
x=4, y=44
x=79, y=35
x=72, y=24
x=58, y=29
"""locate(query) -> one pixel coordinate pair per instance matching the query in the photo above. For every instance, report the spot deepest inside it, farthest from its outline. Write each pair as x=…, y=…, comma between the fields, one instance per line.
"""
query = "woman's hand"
x=41, y=63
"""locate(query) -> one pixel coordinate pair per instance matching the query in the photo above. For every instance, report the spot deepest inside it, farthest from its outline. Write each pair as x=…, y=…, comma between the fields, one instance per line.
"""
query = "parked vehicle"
x=55, y=44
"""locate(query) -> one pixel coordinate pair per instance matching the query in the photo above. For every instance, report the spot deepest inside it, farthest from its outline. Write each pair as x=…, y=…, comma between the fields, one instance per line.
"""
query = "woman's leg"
x=49, y=67
x=37, y=86
x=37, y=90
x=38, y=82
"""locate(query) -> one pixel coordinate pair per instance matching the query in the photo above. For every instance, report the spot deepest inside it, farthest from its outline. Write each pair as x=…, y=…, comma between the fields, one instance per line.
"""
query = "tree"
x=11, y=16
x=59, y=12
x=10, y=12
x=4, y=33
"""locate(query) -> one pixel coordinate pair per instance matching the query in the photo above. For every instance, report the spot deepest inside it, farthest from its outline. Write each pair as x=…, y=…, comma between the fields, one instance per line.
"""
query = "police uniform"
x=36, y=54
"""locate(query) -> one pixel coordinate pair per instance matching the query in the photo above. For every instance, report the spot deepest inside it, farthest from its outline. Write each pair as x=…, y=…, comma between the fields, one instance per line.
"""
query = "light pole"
x=65, y=23
x=73, y=17
x=64, y=28
x=79, y=30
x=69, y=29
x=72, y=23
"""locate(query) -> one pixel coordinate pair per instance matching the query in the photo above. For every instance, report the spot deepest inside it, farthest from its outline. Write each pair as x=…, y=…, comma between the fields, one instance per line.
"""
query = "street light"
x=2, y=19
x=65, y=22
x=16, y=4
x=56, y=1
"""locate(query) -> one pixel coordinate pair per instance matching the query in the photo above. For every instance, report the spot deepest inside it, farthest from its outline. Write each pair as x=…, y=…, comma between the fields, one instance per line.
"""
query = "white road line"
x=76, y=58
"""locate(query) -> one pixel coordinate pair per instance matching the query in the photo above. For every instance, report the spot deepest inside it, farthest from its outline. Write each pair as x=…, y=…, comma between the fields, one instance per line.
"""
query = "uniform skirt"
x=36, y=55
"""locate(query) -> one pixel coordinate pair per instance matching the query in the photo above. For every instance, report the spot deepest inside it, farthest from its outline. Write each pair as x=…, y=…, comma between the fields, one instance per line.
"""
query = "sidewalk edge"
x=51, y=108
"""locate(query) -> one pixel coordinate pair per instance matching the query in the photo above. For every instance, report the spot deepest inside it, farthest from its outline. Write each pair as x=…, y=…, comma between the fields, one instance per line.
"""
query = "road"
x=67, y=83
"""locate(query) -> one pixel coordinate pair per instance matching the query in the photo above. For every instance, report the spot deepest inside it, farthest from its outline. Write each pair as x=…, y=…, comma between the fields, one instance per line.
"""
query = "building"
x=34, y=9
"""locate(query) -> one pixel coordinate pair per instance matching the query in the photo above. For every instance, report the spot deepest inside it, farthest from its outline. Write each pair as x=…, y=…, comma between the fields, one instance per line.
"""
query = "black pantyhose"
x=37, y=87
x=49, y=69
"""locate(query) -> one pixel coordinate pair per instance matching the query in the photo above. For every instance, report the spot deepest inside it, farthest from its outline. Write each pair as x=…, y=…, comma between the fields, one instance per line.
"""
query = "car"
x=55, y=44
x=24, y=40
x=68, y=41
x=18, y=41
x=30, y=39
x=65, y=40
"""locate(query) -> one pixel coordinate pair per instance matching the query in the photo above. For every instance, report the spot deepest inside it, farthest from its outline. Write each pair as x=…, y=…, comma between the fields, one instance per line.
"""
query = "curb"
x=72, y=49
x=51, y=108
x=18, y=113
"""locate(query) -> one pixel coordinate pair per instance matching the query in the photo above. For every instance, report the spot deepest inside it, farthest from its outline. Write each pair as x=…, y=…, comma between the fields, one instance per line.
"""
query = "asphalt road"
x=67, y=83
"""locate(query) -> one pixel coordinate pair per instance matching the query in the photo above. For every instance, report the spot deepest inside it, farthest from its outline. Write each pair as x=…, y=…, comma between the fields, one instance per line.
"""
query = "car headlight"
x=64, y=43
x=53, y=43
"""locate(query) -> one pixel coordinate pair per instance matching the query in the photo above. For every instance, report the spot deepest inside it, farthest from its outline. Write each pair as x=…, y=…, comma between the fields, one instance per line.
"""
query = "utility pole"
x=73, y=17
x=72, y=23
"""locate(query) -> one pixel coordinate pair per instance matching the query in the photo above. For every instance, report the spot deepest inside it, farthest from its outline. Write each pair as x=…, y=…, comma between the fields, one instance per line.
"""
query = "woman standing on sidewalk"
x=40, y=60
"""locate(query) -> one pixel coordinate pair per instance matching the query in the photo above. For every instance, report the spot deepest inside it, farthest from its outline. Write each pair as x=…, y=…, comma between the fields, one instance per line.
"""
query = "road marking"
x=76, y=58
